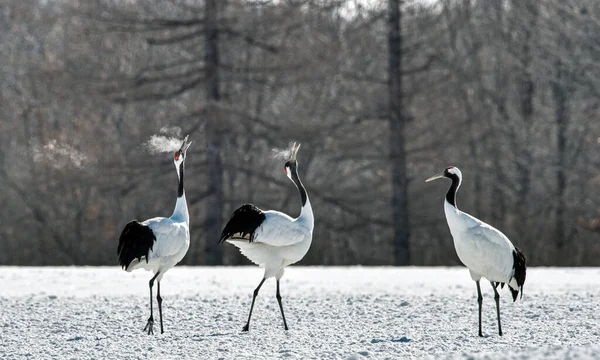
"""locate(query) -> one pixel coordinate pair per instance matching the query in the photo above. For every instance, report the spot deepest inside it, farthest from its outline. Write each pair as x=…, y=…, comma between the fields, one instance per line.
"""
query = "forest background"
x=381, y=95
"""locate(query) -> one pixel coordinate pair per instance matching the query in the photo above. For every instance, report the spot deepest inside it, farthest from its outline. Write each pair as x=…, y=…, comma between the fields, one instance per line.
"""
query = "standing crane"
x=483, y=249
x=159, y=243
x=271, y=238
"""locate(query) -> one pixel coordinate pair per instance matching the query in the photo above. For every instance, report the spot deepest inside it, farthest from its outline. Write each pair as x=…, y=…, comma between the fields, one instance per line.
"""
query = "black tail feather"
x=135, y=242
x=515, y=293
x=520, y=268
x=244, y=221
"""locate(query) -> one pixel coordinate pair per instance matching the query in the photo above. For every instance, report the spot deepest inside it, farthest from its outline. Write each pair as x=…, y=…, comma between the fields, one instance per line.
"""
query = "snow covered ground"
x=333, y=313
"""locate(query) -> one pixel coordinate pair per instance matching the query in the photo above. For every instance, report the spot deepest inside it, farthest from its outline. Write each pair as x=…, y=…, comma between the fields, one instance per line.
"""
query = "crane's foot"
x=246, y=327
x=480, y=334
x=149, y=326
x=285, y=327
x=500, y=332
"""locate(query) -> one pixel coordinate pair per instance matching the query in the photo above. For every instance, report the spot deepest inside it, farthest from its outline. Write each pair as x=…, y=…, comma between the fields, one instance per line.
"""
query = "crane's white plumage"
x=172, y=243
x=485, y=250
x=159, y=243
x=279, y=241
x=271, y=238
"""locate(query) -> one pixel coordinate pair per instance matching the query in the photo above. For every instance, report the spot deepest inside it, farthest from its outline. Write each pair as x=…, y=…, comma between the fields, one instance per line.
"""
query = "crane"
x=271, y=238
x=159, y=243
x=483, y=249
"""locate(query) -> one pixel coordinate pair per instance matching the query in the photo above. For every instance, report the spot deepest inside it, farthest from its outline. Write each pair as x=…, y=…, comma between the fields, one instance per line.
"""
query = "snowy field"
x=333, y=313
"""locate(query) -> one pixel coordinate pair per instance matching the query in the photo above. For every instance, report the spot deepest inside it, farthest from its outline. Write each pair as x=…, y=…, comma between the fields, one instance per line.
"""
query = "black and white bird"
x=271, y=238
x=486, y=251
x=159, y=243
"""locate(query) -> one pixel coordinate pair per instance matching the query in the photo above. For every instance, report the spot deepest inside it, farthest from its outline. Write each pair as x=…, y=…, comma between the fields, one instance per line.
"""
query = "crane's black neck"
x=299, y=185
x=180, y=188
x=451, y=194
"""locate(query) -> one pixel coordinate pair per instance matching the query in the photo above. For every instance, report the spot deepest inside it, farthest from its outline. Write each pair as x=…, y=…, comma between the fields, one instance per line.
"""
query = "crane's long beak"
x=294, y=151
x=435, y=177
x=185, y=144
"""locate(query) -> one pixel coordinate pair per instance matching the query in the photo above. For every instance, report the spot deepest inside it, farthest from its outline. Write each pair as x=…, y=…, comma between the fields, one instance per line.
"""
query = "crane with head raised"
x=271, y=238
x=159, y=243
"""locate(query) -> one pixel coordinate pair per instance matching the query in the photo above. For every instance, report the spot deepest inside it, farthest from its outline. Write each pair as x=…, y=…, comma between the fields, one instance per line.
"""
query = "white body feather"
x=172, y=241
x=485, y=250
x=280, y=241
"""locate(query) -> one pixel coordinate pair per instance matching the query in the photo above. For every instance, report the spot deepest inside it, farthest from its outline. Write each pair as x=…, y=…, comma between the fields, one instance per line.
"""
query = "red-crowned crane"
x=271, y=238
x=483, y=249
x=159, y=243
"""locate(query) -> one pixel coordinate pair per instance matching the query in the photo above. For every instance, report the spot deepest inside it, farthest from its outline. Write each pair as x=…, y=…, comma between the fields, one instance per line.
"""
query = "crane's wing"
x=136, y=242
x=278, y=229
x=243, y=223
x=495, y=256
x=170, y=235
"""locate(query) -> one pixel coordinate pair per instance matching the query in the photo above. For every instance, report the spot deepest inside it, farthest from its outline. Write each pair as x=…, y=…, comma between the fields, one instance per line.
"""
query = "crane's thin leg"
x=480, y=301
x=150, y=322
x=247, y=327
x=497, y=298
x=281, y=306
x=159, y=300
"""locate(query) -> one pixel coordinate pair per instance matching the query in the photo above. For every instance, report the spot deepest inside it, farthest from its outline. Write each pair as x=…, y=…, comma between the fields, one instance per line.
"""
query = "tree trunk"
x=526, y=93
x=214, y=211
x=503, y=118
x=472, y=112
x=528, y=11
x=562, y=119
x=397, y=138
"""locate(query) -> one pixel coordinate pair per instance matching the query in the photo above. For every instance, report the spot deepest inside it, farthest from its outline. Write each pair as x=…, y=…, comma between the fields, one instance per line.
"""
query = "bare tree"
x=214, y=204
x=397, y=136
x=381, y=95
